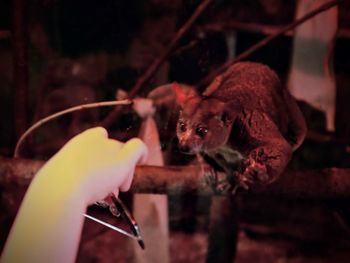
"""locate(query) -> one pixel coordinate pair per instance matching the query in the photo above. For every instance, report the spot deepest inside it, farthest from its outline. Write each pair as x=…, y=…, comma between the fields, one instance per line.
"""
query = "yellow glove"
x=49, y=222
x=95, y=165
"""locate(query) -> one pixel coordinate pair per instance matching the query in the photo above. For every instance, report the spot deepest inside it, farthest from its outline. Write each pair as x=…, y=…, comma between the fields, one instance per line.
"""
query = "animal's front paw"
x=251, y=173
x=254, y=172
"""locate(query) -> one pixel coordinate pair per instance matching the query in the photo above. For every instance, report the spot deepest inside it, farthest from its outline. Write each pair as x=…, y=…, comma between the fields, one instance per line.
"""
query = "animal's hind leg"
x=267, y=152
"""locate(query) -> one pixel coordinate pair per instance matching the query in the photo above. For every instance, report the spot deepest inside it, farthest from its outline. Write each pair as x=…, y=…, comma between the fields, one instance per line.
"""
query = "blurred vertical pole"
x=146, y=51
x=223, y=225
x=311, y=77
x=20, y=62
x=151, y=210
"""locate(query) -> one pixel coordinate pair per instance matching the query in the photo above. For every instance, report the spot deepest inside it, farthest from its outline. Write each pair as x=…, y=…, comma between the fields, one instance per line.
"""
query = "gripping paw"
x=252, y=173
x=255, y=172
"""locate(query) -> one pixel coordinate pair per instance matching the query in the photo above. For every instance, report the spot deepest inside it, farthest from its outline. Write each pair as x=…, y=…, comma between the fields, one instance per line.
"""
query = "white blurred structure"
x=311, y=77
x=151, y=210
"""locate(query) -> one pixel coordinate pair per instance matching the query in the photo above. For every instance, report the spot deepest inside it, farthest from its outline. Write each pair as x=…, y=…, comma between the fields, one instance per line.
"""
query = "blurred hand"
x=143, y=107
x=95, y=165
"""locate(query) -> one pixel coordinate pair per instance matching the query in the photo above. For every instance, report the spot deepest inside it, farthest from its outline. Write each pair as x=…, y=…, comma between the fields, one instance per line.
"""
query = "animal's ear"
x=229, y=113
x=183, y=93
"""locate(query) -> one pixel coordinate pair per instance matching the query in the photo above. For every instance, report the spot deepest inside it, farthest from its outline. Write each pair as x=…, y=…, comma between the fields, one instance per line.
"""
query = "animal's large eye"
x=182, y=126
x=201, y=131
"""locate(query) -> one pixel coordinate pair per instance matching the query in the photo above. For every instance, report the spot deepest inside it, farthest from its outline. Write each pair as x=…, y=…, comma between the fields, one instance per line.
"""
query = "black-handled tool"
x=123, y=211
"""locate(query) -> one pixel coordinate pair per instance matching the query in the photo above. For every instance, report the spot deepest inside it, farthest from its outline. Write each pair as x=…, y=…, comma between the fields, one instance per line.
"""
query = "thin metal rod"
x=111, y=226
x=60, y=113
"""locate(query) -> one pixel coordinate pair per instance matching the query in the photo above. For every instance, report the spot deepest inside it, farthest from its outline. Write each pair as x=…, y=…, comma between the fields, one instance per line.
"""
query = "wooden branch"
x=173, y=180
x=242, y=26
x=173, y=43
x=256, y=28
x=185, y=47
x=159, y=61
x=330, y=183
x=318, y=137
x=266, y=40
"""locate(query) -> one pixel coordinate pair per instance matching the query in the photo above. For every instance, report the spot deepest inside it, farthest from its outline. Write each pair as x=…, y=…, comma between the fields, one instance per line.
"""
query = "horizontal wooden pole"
x=330, y=183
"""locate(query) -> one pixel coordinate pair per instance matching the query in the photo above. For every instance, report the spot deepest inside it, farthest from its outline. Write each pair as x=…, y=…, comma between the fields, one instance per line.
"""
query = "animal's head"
x=204, y=123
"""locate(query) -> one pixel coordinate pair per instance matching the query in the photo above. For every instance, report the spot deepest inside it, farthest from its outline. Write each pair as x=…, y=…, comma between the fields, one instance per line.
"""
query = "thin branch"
x=60, y=113
x=266, y=40
x=159, y=61
x=186, y=47
x=241, y=26
x=178, y=36
x=325, y=138
x=256, y=28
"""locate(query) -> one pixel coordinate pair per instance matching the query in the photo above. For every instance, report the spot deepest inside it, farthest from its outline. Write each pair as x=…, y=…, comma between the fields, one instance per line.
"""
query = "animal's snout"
x=188, y=147
x=184, y=147
x=188, y=142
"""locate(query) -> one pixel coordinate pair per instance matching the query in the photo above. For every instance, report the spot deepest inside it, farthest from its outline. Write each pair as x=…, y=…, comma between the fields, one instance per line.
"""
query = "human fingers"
x=125, y=186
x=96, y=132
x=89, y=135
x=143, y=107
x=116, y=192
x=134, y=151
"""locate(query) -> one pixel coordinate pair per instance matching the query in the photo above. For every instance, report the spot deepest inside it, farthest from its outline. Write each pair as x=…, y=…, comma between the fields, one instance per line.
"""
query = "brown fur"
x=246, y=109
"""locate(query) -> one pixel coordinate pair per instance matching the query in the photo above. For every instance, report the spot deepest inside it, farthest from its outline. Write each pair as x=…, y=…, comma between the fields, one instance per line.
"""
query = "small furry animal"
x=243, y=109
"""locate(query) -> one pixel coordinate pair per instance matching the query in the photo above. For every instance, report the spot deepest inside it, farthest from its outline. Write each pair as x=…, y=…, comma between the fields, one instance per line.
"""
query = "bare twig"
x=256, y=28
x=60, y=113
x=244, y=27
x=178, y=36
x=159, y=61
x=266, y=40
x=326, y=138
x=186, y=47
